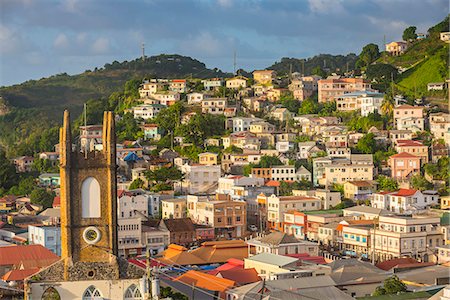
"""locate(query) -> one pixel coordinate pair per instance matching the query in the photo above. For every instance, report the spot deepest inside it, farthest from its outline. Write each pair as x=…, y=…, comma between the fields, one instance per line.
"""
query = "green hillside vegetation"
x=432, y=69
x=423, y=62
x=325, y=62
x=71, y=91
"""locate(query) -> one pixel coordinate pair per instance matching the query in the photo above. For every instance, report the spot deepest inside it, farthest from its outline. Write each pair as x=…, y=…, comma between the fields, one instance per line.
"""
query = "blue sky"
x=45, y=37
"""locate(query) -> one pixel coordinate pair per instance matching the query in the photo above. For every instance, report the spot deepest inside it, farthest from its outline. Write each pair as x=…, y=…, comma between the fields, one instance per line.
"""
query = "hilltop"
x=423, y=62
x=326, y=62
x=71, y=91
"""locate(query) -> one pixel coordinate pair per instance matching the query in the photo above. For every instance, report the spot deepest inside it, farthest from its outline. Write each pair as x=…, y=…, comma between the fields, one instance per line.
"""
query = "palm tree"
x=388, y=105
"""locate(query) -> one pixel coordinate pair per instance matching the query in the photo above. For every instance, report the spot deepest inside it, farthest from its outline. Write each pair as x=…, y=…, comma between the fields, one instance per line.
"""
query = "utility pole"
x=373, y=243
x=193, y=292
x=262, y=289
x=303, y=67
x=148, y=272
x=86, y=145
x=290, y=73
x=384, y=47
x=234, y=63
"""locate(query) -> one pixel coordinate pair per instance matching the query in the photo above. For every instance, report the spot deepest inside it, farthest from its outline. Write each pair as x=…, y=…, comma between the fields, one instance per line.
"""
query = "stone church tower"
x=89, y=206
x=88, y=223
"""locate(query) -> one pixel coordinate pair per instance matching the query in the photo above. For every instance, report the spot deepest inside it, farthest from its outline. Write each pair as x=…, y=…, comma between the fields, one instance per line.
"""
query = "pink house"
x=404, y=165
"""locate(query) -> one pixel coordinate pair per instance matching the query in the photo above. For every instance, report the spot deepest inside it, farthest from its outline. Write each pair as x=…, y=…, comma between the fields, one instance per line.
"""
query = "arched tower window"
x=51, y=294
x=90, y=198
x=91, y=293
x=132, y=293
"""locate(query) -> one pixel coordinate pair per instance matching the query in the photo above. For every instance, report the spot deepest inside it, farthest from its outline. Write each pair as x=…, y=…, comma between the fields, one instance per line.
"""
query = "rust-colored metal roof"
x=29, y=256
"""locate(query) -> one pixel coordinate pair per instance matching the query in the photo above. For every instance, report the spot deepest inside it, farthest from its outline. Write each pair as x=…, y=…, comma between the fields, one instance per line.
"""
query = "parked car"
x=253, y=228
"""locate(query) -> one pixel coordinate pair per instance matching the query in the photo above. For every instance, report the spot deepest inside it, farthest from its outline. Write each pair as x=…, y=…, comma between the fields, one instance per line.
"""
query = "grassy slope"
x=429, y=70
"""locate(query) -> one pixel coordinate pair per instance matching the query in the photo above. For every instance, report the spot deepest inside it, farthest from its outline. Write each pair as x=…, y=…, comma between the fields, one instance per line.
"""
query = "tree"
x=128, y=128
x=387, y=107
x=268, y=161
x=291, y=104
x=409, y=34
x=169, y=118
x=8, y=176
x=420, y=183
x=369, y=54
x=391, y=285
x=367, y=144
x=42, y=197
x=25, y=187
x=319, y=72
x=387, y=184
x=136, y=184
x=163, y=178
x=309, y=106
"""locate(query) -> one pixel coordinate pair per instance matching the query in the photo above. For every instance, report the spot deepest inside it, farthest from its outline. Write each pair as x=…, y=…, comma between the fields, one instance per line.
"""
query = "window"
x=90, y=198
x=51, y=294
x=91, y=293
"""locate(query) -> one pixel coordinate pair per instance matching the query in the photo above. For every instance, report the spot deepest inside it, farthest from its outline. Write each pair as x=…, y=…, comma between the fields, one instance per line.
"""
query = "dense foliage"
x=391, y=285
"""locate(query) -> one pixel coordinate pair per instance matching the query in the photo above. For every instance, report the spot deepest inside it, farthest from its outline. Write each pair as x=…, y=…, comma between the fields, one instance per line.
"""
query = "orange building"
x=333, y=87
x=404, y=165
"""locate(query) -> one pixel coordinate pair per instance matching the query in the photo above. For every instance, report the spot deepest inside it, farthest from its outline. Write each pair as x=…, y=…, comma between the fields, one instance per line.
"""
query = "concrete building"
x=47, y=236
x=238, y=82
x=328, y=198
x=243, y=123
x=358, y=190
x=198, y=178
x=412, y=236
x=407, y=117
x=304, y=87
x=440, y=127
x=396, y=48
x=404, y=200
x=328, y=171
x=215, y=106
x=147, y=111
x=281, y=244
x=207, y=158
x=416, y=148
x=174, y=208
x=277, y=206
x=264, y=76
x=404, y=165
x=331, y=88
x=228, y=217
x=212, y=84
x=365, y=101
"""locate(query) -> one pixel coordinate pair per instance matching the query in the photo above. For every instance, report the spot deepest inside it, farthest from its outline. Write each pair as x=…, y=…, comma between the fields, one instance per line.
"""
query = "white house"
x=147, y=111
x=243, y=123
x=198, y=178
x=47, y=236
x=404, y=200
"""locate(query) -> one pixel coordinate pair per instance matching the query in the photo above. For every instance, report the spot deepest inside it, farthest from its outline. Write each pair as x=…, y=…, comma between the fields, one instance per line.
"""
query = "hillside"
x=327, y=62
x=423, y=62
x=72, y=91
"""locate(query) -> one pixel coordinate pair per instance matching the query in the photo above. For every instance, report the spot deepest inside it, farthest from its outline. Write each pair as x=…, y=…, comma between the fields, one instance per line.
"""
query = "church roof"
x=276, y=238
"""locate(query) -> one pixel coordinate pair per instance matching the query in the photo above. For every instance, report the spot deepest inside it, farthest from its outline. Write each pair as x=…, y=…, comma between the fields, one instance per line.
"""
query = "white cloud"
x=61, y=41
x=10, y=40
x=100, y=46
x=225, y=3
x=81, y=38
x=325, y=6
x=204, y=43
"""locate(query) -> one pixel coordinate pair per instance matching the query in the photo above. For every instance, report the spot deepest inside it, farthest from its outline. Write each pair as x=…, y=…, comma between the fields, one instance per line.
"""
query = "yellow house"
x=174, y=208
x=445, y=202
x=264, y=76
x=268, y=264
x=207, y=158
x=236, y=82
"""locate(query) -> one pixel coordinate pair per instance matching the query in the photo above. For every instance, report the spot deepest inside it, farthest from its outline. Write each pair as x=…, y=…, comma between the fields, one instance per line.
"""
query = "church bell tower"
x=89, y=206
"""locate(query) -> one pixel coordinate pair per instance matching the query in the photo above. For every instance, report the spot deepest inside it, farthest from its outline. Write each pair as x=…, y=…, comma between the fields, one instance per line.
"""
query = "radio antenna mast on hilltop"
x=143, y=51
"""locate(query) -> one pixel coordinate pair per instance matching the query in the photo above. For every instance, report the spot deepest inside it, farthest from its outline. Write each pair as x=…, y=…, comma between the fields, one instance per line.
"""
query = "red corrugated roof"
x=408, y=143
x=231, y=264
x=404, y=192
x=273, y=183
x=241, y=277
x=19, y=275
x=56, y=202
x=404, y=155
x=35, y=256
